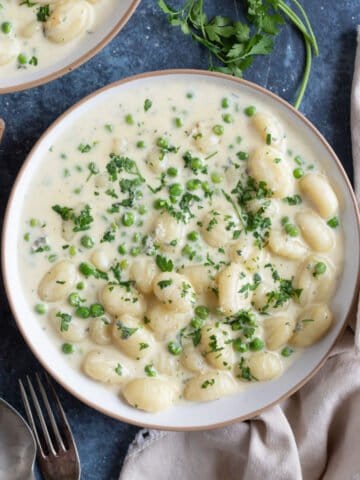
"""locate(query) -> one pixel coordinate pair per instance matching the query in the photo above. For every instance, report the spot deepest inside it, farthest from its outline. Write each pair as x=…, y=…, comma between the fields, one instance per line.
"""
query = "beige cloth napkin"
x=315, y=434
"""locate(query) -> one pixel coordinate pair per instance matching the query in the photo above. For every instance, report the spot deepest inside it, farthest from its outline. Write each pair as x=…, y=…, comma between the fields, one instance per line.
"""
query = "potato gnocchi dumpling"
x=209, y=386
x=265, y=366
x=38, y=35
x=232, y=291
x=121, y=299
x=316, y=233
x=216, y=346
x=311, y=325
x=132, y=338
x=105, y=367
x=269, y=165
x=58, y=282
x=318, y=190
x=174, y=291
x=151, y=394
x=203, y=256
x=68, y=20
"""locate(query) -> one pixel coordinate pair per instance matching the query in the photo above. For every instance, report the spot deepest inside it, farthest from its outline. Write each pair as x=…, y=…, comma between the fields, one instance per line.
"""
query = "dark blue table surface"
x=148, y=43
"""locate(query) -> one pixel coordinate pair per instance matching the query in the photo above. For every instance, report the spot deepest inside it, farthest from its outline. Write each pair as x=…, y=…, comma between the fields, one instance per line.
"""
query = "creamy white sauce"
x=117, y=126
x=38, y=34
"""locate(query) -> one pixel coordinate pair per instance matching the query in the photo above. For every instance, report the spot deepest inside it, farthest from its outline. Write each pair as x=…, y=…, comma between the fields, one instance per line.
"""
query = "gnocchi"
x=311, y=325
x=104, y=367
x=319, y=191
x=268, y=165
x=33, y=31
x=151, y=394
x=198, y=263
x=315, y=231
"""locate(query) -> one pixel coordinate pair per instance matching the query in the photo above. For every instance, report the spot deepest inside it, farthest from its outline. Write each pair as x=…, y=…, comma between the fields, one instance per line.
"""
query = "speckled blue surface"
x=148, y=43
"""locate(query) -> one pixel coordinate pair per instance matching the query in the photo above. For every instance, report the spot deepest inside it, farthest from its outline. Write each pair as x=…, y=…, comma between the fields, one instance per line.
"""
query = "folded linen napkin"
x=314, y=434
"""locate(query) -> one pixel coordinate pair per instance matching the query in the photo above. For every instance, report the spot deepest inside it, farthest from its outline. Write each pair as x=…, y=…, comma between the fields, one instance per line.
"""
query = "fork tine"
x=65, y=424
x=30, y=417
x=44, y=428
x=50, y=414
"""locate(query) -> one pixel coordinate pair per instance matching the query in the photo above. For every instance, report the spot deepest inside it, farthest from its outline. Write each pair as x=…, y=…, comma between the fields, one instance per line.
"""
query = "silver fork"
x=57, y=453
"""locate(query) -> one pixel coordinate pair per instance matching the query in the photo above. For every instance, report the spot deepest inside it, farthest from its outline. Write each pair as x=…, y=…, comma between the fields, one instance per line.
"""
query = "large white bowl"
x=84, y=49
x=185, y=416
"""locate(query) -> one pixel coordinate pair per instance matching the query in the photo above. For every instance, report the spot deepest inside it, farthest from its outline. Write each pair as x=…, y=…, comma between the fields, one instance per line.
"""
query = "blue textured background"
x=148, y=43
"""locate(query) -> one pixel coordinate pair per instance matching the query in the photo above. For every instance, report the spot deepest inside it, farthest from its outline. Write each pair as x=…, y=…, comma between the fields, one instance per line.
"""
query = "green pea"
x=123, y=264
x=142, y=209
x=150, y=370
x=298, y=172
x=193, y=236
x=178, y=122
x=86, y=269
x=27, y=236
x=6, y=27
x=242, y=155
x=159, y=203
x=74, y=299
x=285, y=220
x=196, y=163
x=333, y=222
x=72, y=251
x=80, y=285
x=67, y=348
x=225, y=103
x=291, y=230
x=175, y=189
x=216, y=177
x=162, y=142
x=82, y=312
x=172, y=171
x=227, y=118
x=128, y=219
x=135, y=251
x=33, y=222
x=197, y=323
x=136, y=237
x=287, y=351
x=256, y=344
x=250, y=111
x=129, y=119
x=193, y=184
x=140, y=144
x=218, y=130
x=96, y=310
x=206, y=187
x=174, y=348
x=319, y=269
x=239, y=345
x=40, y=308
x=202, y=312
x=86, y=241
x=22, y=59
x=187, y=251
x=122, y=249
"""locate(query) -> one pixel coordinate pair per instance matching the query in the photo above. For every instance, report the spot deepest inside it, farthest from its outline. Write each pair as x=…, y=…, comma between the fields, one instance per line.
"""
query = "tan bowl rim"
x=10, y=293
x=76, y=63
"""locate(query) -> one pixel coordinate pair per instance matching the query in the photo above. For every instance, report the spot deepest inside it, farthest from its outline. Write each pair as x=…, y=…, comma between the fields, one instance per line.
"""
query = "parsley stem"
x=306, y=76
x=232, y=203
x=308, y=25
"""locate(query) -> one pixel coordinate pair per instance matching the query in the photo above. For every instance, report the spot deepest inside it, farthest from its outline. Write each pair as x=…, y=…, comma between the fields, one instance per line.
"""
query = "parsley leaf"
x=165, y=265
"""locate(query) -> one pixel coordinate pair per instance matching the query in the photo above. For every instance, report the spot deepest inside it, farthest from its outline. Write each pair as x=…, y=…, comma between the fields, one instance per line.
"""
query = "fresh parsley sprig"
x=233, y=45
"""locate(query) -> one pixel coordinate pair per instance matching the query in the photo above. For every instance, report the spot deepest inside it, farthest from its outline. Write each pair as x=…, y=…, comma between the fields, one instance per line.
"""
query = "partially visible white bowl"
x=184, y=416
x=83, y=50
